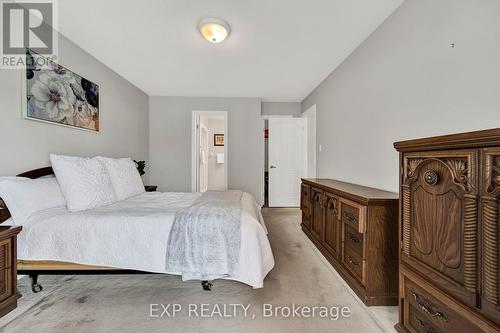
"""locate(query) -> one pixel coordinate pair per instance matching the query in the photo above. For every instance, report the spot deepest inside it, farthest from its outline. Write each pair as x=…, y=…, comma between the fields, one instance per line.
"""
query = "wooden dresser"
x=356, y=229
x=8, y=270
x=449, y=229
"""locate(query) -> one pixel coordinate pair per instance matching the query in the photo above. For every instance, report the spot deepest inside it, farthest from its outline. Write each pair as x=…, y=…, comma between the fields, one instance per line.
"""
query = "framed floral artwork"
x=218, y=139
x=54, y=94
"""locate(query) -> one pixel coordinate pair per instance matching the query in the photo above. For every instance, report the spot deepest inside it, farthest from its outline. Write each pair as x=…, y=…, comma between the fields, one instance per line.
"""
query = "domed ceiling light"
x=214, y=30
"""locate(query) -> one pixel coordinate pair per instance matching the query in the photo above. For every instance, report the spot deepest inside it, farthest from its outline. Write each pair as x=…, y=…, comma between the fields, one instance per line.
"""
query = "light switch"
x=320, y=148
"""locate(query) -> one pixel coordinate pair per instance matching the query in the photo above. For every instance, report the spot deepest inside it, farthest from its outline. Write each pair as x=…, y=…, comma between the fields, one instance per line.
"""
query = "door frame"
x=311, y=153
x=195, y=115
x=263, y=187
x=199, y=171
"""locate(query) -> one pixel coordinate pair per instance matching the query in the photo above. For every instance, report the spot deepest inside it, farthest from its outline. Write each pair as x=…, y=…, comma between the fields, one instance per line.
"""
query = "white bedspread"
x=133, y=234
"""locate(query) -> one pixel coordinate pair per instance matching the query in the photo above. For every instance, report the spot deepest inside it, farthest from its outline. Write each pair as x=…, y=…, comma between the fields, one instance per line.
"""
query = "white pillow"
x=24, y=196
x=84, y=182
x=124, y=177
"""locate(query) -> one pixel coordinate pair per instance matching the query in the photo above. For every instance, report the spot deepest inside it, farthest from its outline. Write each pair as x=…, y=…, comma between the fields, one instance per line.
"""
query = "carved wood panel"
x=317, y=213
x=440, y=218
x=332, y=230
x=490, y=198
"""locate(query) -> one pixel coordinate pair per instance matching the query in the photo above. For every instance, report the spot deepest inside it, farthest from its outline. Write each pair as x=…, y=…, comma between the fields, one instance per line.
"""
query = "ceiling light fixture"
x=214, y=30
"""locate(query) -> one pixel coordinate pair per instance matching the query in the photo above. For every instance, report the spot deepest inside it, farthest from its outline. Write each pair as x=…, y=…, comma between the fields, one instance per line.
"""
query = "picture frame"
x=219, y=140
x=77, y=102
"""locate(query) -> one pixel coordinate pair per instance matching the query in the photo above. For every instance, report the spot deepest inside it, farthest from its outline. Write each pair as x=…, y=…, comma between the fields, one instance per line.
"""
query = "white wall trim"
x=194, y=151
x=262, y=199
x=267, y=117
x=312, y=153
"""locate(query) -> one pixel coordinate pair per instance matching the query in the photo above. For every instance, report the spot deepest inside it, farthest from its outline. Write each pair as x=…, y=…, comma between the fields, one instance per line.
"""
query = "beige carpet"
x=122, y=303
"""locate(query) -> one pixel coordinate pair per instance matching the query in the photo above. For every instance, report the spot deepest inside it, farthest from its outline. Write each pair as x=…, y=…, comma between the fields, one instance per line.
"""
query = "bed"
x=129, y=236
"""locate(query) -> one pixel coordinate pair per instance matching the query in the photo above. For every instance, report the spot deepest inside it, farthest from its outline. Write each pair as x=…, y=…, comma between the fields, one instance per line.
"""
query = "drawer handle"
x=352, y=237
x=427, y=307
x=431, y=177
x=425, y=327
x=352, y=261
x=350, y=217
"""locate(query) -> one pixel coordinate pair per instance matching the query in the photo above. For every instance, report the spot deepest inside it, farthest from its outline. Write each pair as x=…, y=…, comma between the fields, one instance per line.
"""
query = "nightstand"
x=8, y=268
x=150, y=188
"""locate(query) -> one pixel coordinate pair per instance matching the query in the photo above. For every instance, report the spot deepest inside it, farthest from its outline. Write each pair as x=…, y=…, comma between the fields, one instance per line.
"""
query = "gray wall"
x=281, y=108
x=404, y=82
x=170, y=138
x=26, y=144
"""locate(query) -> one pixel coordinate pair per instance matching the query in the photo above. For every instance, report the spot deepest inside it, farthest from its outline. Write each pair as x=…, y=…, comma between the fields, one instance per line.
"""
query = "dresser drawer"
x=424, y=313
x=305, y=198
x=353, y=239
x=353, y=262
x=353, y=214
x=306, y=220
x=305, y=204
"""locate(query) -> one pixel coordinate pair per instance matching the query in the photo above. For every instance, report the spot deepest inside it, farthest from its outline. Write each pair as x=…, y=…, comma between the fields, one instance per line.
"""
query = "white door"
x=287, y=160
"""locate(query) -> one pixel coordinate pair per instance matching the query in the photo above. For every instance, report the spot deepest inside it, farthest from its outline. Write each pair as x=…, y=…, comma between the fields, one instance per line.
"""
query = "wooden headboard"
x=33, y=174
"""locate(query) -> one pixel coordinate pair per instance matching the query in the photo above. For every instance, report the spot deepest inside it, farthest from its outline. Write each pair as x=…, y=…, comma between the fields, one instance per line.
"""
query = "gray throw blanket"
x=204, y=242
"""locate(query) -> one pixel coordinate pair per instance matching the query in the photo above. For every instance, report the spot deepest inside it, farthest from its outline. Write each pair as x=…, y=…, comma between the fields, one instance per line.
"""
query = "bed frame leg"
x=206, y=285
x=35, y=287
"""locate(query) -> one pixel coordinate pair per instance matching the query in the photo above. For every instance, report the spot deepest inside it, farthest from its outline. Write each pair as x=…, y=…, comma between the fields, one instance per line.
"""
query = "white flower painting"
x=58, y=95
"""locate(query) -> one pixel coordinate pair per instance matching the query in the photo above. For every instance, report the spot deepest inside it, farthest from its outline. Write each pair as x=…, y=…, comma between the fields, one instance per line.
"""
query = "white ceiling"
x=279, y=50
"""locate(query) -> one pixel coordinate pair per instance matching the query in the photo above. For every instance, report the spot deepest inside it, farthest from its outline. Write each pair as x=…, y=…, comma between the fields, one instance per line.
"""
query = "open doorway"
x=209, y=151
